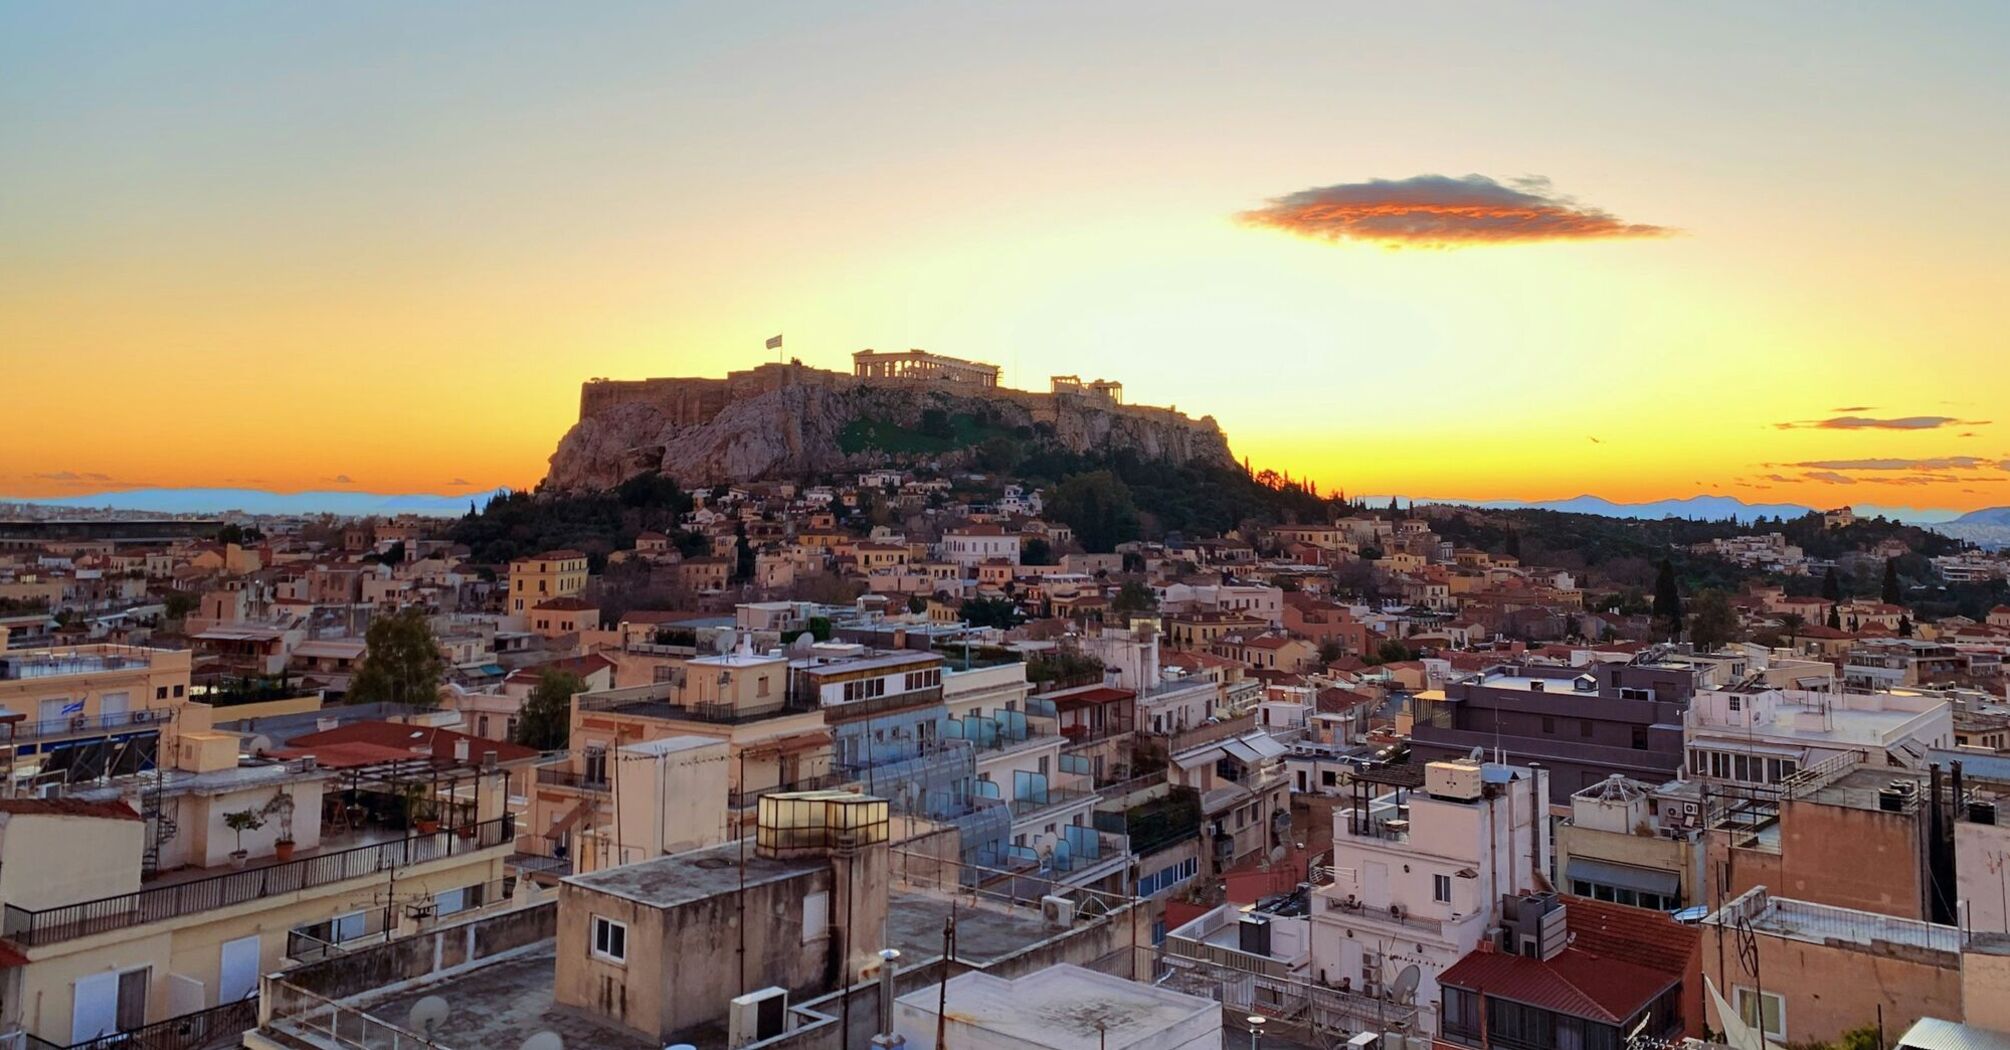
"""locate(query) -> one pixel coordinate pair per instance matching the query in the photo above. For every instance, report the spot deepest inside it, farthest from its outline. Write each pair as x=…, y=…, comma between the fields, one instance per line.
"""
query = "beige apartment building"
x=542, y=577
x=51, y=699
x=772, y=743
x=151, y=902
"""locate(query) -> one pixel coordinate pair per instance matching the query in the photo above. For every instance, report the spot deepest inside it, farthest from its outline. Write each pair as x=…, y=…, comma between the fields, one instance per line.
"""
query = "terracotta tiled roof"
x=409, y=739
x=1634, y=935
x=1576, y=982
x=67, y=807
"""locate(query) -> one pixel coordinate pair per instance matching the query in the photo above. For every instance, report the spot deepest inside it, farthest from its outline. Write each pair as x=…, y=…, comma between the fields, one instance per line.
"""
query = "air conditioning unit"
x=755, y=1016
x=1057, y=912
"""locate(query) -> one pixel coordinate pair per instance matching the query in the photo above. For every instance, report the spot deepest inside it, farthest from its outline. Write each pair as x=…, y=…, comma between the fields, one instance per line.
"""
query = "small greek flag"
x=75, y=707
x=775, y=342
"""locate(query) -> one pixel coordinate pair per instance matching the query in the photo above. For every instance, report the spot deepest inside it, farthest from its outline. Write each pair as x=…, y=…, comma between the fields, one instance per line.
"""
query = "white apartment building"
x=1755, y=734
x=973, y=545
x=1421, y=860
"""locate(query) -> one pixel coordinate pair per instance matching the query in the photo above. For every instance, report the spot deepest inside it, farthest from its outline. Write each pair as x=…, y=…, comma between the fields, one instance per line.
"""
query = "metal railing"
x=81, y=723
x=313, y=1017
x=571, y=779
x=219, y=1026
x=70, y=921
x=821, y=782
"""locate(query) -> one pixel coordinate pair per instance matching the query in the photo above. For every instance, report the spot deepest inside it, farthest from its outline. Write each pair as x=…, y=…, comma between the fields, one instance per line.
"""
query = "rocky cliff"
x=787, y=421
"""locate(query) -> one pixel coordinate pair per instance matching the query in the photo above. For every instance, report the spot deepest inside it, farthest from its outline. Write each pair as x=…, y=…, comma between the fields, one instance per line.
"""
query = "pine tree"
x=1892, y=594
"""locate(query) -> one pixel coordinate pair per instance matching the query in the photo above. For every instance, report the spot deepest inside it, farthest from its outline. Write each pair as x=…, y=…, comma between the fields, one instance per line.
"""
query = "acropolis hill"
x=791, y=420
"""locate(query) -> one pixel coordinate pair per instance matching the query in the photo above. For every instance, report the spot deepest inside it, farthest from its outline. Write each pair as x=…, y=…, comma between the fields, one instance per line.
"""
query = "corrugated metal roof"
x=1932, y=1033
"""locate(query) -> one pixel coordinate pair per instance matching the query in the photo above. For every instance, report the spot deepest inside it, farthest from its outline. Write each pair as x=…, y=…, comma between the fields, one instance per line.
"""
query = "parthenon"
x=920, y=364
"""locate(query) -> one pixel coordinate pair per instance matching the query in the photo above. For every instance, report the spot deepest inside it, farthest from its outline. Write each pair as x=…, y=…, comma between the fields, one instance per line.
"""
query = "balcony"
x=161, y=903
x=566, y=778
x=222, y=1025
x=822, y=782
x=1050, y=799
x=89, y=725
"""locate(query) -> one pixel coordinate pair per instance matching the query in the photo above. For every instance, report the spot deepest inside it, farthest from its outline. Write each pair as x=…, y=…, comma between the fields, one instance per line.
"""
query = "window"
x=610, y=940
x=816, y=915
x=1548, y=724
x=1737, y=702
x=1441, y=888
x=1775, y=1011
x=1639, y=738
x=1584, y=727
x=595, y=759
x=180, y=690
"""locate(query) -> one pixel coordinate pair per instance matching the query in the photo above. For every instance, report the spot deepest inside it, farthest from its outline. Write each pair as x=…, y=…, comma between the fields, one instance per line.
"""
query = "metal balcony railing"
x=221, y=1025
x=70, y=921
x=571, y=779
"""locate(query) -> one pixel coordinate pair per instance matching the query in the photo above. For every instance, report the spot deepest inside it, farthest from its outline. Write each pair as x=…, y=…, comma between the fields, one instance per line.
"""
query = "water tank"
x=1253, y=935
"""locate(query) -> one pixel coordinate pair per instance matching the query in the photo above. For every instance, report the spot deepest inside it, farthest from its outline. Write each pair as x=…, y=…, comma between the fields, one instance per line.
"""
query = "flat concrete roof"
x=501, y=1004
x=1071, y=1008
x=985, y=931
x=686, y=878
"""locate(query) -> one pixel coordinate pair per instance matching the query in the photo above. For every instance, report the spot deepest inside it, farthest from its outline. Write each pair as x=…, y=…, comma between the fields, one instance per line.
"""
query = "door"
x=94, y=1011
x=133, y=999
x=113, y=706
x=237, y=970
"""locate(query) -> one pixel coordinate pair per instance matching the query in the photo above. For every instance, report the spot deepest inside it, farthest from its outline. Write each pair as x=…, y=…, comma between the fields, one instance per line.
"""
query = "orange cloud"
x=1871, y=423
x=1438, y=211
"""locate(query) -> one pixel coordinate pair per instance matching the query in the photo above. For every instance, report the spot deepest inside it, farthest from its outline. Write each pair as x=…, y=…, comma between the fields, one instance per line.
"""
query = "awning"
x=1624, y=876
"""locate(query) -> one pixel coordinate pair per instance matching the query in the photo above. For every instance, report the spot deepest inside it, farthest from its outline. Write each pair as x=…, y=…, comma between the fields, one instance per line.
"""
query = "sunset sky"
x=1481, y=251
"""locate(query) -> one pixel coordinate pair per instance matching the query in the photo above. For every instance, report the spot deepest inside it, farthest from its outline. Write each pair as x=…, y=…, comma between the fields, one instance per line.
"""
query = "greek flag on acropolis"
x=774, y=342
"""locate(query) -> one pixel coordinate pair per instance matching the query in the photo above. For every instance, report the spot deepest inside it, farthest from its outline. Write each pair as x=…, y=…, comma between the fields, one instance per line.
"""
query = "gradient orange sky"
x=377, y=246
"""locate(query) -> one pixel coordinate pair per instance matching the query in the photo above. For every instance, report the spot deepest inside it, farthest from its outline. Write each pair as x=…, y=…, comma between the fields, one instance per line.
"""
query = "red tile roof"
x=1576, y=982
x=1633, y=935
x=409, y=739
x=67, y=807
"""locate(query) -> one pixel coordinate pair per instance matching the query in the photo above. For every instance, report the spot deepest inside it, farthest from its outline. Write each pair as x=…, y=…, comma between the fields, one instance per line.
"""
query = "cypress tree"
x=1831, y=587
x=1667, y=598
x=1892, y=594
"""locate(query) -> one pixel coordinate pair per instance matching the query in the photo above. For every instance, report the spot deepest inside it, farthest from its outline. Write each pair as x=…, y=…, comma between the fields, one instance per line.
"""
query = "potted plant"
x=421, y=811
x=282, y=807
x=241, y=821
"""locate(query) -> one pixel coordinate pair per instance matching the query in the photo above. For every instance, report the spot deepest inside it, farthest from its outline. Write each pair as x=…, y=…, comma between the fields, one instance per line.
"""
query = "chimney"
x=886, y=1039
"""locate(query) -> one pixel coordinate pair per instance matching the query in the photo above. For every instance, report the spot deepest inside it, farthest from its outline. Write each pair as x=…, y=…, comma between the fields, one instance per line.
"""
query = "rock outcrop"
x=788, y=421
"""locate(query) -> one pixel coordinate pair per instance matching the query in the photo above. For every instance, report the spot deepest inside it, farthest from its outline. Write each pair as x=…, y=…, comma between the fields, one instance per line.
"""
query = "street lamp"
x=1255, y=1029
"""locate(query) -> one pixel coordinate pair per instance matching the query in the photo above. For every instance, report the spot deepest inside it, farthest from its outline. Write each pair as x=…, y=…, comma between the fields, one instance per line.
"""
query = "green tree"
x=1905, y=627
x=1133, y=598
x=1098, y=507
x=1835, y=618
x=936, y=423
x=989, y=612
x=179, y=604
x=1036, y=552
x=401, y=663
x=545, y=721
x=1667, y=599
x=1893, y=593
x=917, y=604
x=1831, y=586
x=1712, y=622
x=1393, y=651
x=1331, y=650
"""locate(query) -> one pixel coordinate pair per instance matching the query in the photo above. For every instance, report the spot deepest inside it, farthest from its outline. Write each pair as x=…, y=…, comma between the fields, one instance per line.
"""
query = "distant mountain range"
x=1702, y=507
x=258, y=501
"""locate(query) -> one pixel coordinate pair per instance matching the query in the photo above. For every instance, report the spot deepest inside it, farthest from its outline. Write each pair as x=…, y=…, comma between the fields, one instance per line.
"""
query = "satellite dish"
x=544, y=1041
x=260, y=745
x=803, y=645
x=1404, y=987
x=427, y=1015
